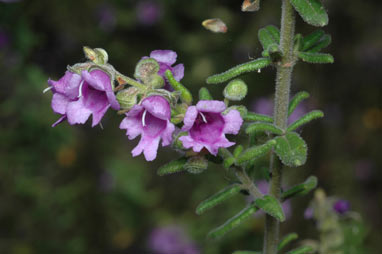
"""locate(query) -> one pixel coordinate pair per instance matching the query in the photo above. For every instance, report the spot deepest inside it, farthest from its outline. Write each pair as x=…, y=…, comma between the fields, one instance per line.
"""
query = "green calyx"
x=196, y=164
x=236, y=90
x=147, y=71
x=127, y=98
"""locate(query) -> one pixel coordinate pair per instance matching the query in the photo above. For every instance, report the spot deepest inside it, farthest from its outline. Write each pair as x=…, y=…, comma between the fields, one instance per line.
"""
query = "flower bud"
x=145, y=69
x=250, y=6
x=97, y=55
x=215, y=25
x=196, y=164
x=236, y=90
x=156, y=81
x=127, y=98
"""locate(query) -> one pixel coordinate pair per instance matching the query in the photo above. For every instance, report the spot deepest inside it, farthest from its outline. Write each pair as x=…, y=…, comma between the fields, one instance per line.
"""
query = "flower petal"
x=112, y=100
x=97, y=116
x=97, y=79
x=189, y=118
x=233, y=122
x=211, y=106
x=148, y=146
x=77, y=113
x=189, y=142
x=67, y=84
x=157, y=106
x=167, y=134
x=59, y=103
x=133, y=126
x=178, y=72
x=223, y=142
x=164, y=56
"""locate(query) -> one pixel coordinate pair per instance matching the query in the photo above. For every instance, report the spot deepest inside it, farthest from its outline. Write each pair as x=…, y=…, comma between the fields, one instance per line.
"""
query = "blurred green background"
x=76, y=189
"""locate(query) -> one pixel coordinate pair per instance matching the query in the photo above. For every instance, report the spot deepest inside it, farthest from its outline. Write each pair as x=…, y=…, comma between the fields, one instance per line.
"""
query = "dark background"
x=76, y=189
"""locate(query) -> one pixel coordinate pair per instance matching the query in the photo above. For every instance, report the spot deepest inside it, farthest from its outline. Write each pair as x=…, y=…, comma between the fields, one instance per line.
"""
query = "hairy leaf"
x=263, y=127
x=172, y=167
x=218, y=198
x=291, y=149
x=269, y=35
x=253, y=117
x=204, y=94
x=312, y=39
x=301, y=250
x=311, y=11
x=286, y=240
x=238, y=70
x=301, y=189
x=323, y=43
x=185, y=94
x=271, y=206
x=296, y=100
x=233, y=222
x=319, y=58
x=305, y=119
x=256, y=151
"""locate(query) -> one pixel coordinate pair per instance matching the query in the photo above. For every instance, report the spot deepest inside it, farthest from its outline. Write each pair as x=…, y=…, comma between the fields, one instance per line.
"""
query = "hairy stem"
x=283, y=83
x=248, y=183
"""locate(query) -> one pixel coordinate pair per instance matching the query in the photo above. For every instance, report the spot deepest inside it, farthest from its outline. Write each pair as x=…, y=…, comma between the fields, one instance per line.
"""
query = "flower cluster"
x=91, y=88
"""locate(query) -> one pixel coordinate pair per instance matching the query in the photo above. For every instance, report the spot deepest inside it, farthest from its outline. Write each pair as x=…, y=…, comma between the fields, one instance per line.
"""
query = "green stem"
x=283, y=83
x=248, y=183
x=122, y=80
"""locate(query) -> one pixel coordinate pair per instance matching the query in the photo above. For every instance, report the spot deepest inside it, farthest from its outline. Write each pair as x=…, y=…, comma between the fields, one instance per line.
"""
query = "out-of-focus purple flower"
x=106, y=17
x=148, y=12
x=10, y=1
x=166, y=58
x=308, y=214
x=4, y=39
x=364, y=169
x=263, y=188
x=76, y=97
x=265, y=106
x=171, y=240
x=207, y=126
x=151, y=120
x=341, y=206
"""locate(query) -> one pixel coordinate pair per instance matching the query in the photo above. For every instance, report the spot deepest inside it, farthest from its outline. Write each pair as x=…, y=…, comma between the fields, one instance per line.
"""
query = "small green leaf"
x=301, y=250
x=253, y=117
x=233, y=222
x=269, y=35
x=311, y=39
x=291, y=149
x=300, y=189
x=271, y=206
x=319, y=58
x=172, y=167
x=256, y=151
x=228, y=162
x=246, y=252
x=185, y=94
x=296, y=100
x=218, y=198
x=311, y=11
x=253, y=65
x=323, y=43
x=305, y=119
x=263, y=127
x=204, y=94
x=237, y=151
x=286, y=240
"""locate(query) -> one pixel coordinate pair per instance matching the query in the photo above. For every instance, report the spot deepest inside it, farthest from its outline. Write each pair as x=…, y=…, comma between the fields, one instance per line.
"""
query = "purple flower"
x=171, y=240
x=166, y=58
x=76, y=97
x=151, y=120
x=207, y=126
x=106, y=17
x=4, y=39
x=308, y=214
x=341, y=206
x=148, y=12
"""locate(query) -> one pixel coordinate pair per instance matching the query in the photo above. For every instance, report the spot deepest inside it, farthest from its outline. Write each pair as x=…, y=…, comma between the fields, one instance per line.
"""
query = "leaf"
x=301, y=250
x=233, y=222
x=263, y=127
x=218, y=198
x=185, y=94
x=238, y=70
x=271, y=206
x=172, y=167
x=269, y=35
x=311, y=11
x=255, y=152
x=237, y=151
x=291, y=149
x=228, y=162
x=286, y=240
x=300, y=189
x=312, y=115
x=253, y=117
x=320, y=58
x=296, y=100
x=312, y=39
x=323, y=43
x=204, y=94
x=246, y=252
